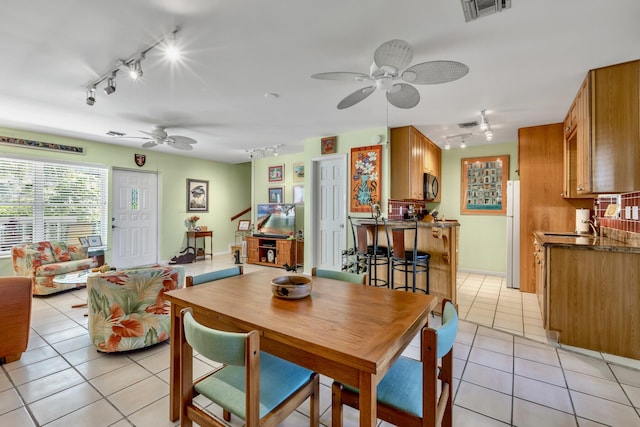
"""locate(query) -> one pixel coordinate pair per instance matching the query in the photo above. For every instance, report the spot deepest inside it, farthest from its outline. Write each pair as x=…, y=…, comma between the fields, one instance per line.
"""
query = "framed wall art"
x=366, y=164
x=276, y=195
x=276, y=173
x=197, y=195
x=298, y=171
x=484, y=185
x=244, y=225
x=328, y=145
x=298, y=194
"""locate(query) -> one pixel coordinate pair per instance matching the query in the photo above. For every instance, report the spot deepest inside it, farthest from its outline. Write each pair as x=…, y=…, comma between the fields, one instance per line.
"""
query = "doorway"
x=134, y=225
x=329, y=217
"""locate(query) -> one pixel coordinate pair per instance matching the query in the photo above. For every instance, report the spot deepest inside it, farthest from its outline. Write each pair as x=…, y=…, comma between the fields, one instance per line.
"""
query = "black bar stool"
x=370, y=253
x=408, y=259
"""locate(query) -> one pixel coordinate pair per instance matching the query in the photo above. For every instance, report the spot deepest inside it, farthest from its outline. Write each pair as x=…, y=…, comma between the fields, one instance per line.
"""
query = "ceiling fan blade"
x=356, y=97
x=179, y=143
x=395, y=53
x=435, y=72
x=149, y=144
x=403, y=95
x=183, y=139
x=342, y=75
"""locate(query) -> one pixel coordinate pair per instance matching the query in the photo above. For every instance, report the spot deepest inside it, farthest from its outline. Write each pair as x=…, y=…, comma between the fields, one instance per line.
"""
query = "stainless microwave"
x=430, y=187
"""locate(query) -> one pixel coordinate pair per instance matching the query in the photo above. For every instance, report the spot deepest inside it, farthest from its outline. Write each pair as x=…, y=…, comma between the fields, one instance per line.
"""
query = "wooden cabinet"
x=274, y=252
x=577, y=146
x=602, y=133
x=594, y=299
x=412, y=155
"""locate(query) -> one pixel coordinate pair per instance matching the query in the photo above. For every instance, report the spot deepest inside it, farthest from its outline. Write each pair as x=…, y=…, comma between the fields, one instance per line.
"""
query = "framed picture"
x=298, y=194
x=276, y=173
x=94, y=241
x=484, y=185
x=197, y=195
x=298, y=171
x=83, y=241
x=276, y=195
x=328, y=145
x=366, y=172
x=244, y=225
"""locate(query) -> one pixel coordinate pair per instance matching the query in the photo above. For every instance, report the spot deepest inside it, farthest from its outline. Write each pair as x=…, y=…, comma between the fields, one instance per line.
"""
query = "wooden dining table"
x=349, y=332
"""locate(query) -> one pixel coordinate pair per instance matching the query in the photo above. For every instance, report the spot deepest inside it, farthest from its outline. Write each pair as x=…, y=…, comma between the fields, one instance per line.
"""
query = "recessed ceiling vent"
x=474, y=9
x=468, y=125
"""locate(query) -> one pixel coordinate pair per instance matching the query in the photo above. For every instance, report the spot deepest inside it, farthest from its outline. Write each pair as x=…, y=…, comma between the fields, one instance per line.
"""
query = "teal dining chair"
x=344, y=276
x=258, y=387
x=214, y=275
x=408, y=393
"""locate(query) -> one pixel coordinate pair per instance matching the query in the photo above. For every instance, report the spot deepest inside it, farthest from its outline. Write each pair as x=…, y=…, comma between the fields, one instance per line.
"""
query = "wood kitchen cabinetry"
x=539, y=257
x=274, y=252
x=602, y=133
x=412, y=155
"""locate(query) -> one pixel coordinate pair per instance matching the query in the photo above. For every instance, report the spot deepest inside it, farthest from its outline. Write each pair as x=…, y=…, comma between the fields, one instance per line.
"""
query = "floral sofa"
x=127, y=308
x=44, y=262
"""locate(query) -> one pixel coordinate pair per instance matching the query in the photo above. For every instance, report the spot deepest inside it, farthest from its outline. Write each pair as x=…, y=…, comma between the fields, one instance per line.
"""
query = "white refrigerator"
x=513, y=234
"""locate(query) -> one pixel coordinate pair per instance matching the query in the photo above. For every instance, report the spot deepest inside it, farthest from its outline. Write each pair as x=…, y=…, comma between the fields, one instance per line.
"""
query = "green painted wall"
x=482, y=245
x=229, y=187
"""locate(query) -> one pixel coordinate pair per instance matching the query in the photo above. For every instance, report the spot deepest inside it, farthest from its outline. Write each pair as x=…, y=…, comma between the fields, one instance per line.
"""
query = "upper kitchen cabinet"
x=412, y=155
x=602, y=133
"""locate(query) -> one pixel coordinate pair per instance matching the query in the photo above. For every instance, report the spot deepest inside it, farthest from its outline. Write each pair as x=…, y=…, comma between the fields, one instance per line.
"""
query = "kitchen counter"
x=587, y=242
x=440, y=240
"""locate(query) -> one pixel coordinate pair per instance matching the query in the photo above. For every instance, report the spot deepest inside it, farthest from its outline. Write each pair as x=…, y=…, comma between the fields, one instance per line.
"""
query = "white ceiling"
x=526, y=65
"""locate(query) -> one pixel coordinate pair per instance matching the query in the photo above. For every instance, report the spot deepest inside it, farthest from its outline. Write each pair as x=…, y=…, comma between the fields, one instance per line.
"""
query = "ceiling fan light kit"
x=133, y=65
x=388, y=60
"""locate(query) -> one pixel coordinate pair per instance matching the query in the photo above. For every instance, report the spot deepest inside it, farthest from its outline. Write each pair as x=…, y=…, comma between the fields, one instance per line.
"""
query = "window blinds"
x=51, y=201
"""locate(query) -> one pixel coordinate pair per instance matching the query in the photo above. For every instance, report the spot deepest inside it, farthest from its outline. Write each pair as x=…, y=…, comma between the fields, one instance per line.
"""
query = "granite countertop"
x=400, y=222
x=587, y=242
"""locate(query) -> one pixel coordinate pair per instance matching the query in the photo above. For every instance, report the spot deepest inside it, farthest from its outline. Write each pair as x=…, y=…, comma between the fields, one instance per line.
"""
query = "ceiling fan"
x=159, y=136
x=389, y=59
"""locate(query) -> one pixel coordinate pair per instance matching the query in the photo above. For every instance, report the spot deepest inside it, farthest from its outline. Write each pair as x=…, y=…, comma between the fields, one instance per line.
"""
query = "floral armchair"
x=46, y=263
x=127, y=308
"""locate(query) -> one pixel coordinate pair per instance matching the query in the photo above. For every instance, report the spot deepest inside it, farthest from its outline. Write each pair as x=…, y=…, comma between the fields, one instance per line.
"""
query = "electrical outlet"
x=634, y=212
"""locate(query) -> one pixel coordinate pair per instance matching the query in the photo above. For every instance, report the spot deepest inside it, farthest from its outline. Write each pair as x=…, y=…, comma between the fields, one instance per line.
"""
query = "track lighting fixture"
x=485, y=126
x=111, y=84
x=133, y=65
x=91, y=95
x=263, y=150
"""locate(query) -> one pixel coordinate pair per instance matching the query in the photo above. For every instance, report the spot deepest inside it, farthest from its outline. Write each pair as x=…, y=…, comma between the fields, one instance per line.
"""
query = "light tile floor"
x=506, y=372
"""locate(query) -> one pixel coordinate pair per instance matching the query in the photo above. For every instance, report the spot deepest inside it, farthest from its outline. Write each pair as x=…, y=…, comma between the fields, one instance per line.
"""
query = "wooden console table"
x=274, y=251
x=201, y=234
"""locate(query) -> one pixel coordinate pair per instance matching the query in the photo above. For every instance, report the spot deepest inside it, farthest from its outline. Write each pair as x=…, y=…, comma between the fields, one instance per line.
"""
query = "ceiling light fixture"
x=111, y=84
x=91, y=95
x=263, y=150
x=133, y=65
x=485, y=126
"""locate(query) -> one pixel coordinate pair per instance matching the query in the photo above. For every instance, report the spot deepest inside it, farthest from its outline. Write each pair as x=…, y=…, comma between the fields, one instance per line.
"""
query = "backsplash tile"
x=624, y=227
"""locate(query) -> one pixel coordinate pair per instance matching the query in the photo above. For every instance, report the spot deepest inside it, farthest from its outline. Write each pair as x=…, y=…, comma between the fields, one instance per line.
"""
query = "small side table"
x=201, y=234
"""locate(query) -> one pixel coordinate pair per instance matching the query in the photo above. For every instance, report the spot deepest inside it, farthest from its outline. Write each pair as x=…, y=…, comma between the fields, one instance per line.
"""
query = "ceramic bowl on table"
x=291, y=287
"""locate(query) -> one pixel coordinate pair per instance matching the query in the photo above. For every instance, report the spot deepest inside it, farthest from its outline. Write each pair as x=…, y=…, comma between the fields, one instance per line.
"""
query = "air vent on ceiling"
x=114, y=133
x=474, y=9
x=468, y=125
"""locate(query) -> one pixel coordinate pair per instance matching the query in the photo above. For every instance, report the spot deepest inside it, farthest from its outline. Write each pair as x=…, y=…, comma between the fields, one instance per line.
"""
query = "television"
x=276, y=220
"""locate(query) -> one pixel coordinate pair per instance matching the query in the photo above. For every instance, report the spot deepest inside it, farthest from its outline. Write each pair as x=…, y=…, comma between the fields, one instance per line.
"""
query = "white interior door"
x=330, y=190
x=134, y=225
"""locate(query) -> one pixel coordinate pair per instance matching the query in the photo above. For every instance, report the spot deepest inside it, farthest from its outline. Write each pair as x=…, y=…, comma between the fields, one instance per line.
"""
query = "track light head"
x=135, y=69
x=91, y=95
x=111, y=85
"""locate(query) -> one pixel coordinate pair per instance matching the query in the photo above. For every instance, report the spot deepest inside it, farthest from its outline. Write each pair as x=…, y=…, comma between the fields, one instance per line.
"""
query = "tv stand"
x=274, y=251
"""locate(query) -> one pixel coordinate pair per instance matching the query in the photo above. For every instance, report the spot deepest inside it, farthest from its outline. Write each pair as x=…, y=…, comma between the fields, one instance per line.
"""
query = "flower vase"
x=364, y=193
x=192, y=225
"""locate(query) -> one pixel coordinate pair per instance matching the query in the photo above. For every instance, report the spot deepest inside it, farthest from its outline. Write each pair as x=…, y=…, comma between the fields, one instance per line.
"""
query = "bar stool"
x=370, y=252
x=408, y=260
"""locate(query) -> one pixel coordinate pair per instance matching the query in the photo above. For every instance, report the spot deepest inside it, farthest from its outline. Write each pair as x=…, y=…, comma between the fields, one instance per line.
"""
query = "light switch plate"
x=634, y=212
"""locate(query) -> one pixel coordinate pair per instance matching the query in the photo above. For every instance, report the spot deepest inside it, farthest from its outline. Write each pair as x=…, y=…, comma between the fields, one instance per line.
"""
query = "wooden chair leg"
x=336, y=405
x=314, y=415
